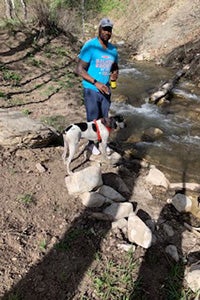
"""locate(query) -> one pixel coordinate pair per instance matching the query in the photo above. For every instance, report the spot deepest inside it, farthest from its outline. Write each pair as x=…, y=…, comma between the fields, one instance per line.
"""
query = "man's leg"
x=91, y=100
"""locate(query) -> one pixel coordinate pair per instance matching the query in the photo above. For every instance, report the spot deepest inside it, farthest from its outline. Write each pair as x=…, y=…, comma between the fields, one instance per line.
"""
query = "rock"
x=116, y=182
x=121, y=223
x=173, y=252
x=168, y=229
x=114, y=158
x=193, y=278
x=138, y=232
x=92, y=199
x=85, y=180
x=40, y=168
x=126, y=247
x=18, y=130
x=157, y=178
x=182, y=203
x=121, y=98
x=140, y=191
x=110, y=193
x=151, y=134
x=118, y=210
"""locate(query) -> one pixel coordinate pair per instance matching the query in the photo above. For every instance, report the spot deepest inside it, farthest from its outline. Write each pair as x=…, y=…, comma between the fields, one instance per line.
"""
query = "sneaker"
x=108, y=150
x=94, y=149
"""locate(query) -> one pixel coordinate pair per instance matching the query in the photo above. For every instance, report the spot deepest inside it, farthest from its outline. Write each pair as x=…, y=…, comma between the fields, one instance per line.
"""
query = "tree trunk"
x=9, y=8
x=23, y=2
x=165, y=90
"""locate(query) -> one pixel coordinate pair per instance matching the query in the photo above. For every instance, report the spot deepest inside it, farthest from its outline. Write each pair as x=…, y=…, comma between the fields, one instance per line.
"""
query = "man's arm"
x=81, y=70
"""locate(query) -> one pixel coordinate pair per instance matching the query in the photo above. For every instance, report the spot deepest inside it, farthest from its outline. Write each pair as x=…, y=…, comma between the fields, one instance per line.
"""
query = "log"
x=195, y=230
x=164, y=92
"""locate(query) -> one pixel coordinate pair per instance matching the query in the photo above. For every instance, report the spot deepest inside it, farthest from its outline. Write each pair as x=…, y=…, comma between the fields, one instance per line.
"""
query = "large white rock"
x=140, y=191
x=138, y=232
x=18, y=130
x=193, y=278
x=110, y=193
x=121, y=223
x=118, y=210
x=92, y=199
x=157, y=178
x=85, y=180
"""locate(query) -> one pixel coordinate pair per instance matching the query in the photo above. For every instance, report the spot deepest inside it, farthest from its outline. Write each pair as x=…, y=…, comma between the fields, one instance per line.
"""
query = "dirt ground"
x=50, y=247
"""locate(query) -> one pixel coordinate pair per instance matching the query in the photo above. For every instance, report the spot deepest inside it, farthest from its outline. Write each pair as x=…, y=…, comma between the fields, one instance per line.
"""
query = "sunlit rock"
x=138, y=232
x=157, y=178
x=118, y=210
x=85, y=180
x=193, y=278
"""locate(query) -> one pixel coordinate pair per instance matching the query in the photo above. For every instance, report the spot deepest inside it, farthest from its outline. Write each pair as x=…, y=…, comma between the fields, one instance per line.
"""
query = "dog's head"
x=119, y=119
x=114, y=122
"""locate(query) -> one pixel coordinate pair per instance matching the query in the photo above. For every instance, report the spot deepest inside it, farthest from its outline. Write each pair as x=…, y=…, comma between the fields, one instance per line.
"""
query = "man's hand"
x=102, y=88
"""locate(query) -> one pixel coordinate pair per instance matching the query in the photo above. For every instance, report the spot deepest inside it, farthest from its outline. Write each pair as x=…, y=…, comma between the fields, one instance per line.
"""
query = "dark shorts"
x=97, y=104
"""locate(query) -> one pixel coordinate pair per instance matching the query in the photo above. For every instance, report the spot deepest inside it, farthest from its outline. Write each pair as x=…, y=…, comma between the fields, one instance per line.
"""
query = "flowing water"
x=177, y=152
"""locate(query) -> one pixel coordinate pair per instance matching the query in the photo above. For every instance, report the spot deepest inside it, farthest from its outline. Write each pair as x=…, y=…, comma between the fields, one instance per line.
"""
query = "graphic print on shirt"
x=104, y=65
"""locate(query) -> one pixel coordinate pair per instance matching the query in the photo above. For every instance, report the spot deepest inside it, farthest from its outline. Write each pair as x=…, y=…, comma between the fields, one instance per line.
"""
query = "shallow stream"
x=177, y=151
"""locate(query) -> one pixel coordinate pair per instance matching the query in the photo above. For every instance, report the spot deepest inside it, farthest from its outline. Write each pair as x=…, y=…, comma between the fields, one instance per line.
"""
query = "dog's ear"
x=119, y=118
x=109, y=122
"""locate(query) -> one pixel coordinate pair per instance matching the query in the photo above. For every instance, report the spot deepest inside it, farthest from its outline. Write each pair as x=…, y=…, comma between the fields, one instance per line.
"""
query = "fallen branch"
x=165, y=90
x=195, y=230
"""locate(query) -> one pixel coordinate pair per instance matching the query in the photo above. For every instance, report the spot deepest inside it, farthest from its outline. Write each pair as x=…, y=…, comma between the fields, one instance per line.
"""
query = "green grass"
x=2, y=95
x=13, y=77
x=109, y=5
x=15, y=296
x=26, y=199
x=43, y=245
x=26, y=112
x=113, y=280
x=58, y=122
x=173, y=289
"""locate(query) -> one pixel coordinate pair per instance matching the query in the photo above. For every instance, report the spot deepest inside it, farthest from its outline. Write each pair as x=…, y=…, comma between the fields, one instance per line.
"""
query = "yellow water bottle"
x=113, y=84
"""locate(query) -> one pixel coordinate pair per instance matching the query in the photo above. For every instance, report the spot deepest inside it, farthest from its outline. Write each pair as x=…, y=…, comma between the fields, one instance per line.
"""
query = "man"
x=97, y=65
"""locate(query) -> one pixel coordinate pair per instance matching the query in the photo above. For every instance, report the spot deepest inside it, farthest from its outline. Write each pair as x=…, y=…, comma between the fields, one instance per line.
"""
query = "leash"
x=98, y=131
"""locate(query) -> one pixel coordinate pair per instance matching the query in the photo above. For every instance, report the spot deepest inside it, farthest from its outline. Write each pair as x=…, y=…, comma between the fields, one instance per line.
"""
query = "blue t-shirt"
x=100, y=61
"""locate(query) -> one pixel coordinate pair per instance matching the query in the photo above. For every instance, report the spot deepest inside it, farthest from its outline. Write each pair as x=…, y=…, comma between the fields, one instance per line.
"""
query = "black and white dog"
x=97, y=131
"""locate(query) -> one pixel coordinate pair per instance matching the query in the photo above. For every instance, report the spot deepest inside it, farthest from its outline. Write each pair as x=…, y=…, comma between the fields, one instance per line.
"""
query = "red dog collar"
x=98, y=131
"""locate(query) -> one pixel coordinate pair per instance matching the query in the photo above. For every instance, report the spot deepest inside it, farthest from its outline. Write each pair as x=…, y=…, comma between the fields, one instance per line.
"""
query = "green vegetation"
x=173, y=290
x=58, y=122
x=114, y=281
x=11, y=76
x=26, y=199
x=26, y=112
x=15, y=296
x=43, y=245
x=2, y=94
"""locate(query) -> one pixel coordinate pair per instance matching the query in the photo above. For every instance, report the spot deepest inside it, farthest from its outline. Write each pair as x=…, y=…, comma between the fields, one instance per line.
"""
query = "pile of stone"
x=114, y=207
